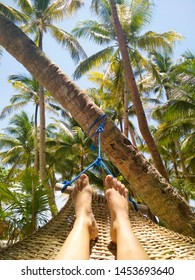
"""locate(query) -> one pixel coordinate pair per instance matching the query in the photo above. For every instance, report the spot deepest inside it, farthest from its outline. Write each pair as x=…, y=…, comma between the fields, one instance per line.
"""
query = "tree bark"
x=42, y=157
x=142, y=121
x=126, y=112
x=145, y=180
x=132, y=135
x=36, y=152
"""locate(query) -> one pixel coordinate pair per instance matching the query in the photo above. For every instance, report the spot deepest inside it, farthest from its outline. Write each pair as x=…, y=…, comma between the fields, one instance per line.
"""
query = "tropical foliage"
x=166, y=89
x=24, y=206
x=36, y=18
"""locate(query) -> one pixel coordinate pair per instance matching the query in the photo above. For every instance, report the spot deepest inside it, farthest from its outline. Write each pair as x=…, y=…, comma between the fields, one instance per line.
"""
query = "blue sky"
x=177, y=15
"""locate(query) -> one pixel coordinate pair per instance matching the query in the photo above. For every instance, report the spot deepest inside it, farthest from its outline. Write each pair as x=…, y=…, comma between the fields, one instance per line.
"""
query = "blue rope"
x=95, y=122
x=98, y=161
x=131, y=199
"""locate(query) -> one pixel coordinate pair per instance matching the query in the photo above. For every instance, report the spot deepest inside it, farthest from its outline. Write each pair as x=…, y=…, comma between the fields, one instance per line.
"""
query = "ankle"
x=83, y=222
x=88, y=222
x=120, y=220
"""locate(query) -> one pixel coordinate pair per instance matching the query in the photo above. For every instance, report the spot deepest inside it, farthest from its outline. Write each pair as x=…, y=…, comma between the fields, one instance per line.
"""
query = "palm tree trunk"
x=126, y=113
x=42, y=158
x=36, y=161
x=33, y=219
x=132, y=134
x=121, y=125
x=142, y=121
x=145, y=180
x=42, y=146
x=175, y=168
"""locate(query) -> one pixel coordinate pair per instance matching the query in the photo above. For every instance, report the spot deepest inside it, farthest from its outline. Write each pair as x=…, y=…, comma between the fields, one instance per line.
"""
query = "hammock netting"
x=44, y=244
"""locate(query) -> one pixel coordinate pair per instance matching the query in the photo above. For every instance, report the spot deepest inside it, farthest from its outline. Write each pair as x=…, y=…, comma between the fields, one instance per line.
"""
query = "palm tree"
x=28, y=89
x=110, y=97
x=159, y=81
x=159, y=74
x=37, y=18
x=145, y=180
x=178, y=112
x=126, y=30
x=25, y=206
x=28, y=92
x=17, y=144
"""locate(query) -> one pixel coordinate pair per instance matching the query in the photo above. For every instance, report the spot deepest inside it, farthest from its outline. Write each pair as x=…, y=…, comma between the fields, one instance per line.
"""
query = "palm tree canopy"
x=27, y=88
x=37, y=17
x=17, y=143
x=133, y=17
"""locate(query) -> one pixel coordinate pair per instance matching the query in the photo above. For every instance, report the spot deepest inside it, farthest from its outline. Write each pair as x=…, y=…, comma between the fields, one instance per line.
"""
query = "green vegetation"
x=166, y=90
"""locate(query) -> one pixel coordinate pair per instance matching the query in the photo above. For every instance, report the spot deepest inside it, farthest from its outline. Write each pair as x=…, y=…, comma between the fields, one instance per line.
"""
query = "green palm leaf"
x=141, y=12
x=95, y=60
x=12, y=13
x=94, y=31
x=151, y=41
x=25, y=5
x=67, y=40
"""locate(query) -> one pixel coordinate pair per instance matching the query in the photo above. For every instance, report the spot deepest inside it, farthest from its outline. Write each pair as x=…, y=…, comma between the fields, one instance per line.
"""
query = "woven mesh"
x=44, y=244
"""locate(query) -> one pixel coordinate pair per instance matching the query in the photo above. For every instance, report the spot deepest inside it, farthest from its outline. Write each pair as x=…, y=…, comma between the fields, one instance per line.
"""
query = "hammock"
x=159, y=242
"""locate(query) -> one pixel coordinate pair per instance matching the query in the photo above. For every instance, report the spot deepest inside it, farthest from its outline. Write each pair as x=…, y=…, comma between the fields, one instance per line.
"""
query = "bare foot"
x=117, y=199
x=82, y=199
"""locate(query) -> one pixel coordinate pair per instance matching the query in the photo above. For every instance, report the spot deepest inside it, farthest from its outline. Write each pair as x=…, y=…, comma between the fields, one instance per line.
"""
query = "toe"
x=122, y=189
x=84, y=180
x=126, y=193
x=108, y=182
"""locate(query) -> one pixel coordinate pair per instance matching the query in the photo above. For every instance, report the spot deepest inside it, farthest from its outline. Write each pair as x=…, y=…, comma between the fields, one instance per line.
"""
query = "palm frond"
x=11, y=108
x=68, y=41
x=94, y=61
x=12, y=13
x=188, y=55
x=55, y=11
x=141, y=12
x=151, y=41
x=102, y=10
x=93, y=31
x=41, y=6
x=73, y=5
x=188, y=145
x=26, y=6
x=7, y=141
x=179, y=108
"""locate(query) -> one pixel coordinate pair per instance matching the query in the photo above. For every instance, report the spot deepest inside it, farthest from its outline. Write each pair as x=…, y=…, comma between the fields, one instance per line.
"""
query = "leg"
x=128, y=246
x=77, y=244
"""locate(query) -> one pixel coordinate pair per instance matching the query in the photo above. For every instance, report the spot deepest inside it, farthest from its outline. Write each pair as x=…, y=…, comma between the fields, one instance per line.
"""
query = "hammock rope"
x=98, y=161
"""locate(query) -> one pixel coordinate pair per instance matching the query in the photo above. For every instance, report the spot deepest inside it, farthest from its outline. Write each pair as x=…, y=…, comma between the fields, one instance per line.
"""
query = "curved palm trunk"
x=142, y=121
x=145, y=180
